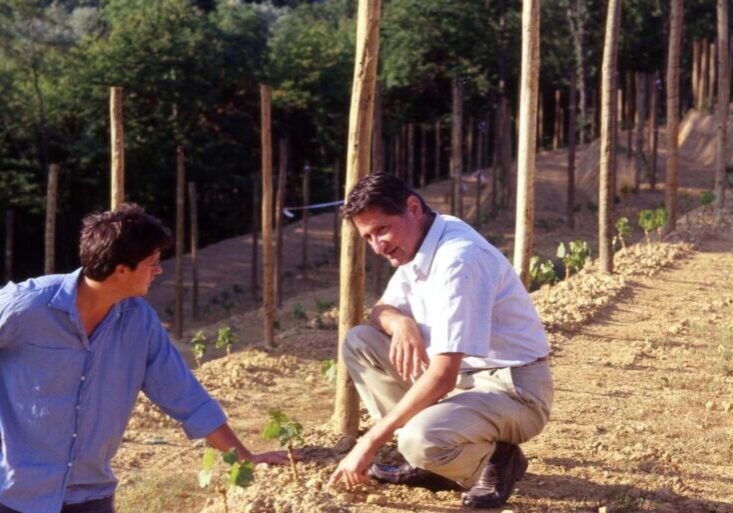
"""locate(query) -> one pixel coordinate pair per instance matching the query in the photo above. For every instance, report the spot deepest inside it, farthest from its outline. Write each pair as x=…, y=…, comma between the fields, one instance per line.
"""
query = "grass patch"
x=154, y=493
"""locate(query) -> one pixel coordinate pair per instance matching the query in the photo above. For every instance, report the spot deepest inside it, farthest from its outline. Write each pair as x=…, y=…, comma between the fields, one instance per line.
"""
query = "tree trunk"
x=9, y=228
x=653, y=131
x=527, y=145
x=193, y=212
x=52, y=192
x=279, y=206
x=723, y=101
x=456, y=164
x=570, y=203
x=268, y=270
x=640, y=88
x=180, y=238
x=117, y=148
x=608, y=150
x=351, y=283
x=377, y=141
x=673, y=112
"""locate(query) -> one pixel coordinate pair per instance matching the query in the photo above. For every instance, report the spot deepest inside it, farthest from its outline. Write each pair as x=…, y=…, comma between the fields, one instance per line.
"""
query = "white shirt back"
x=466, y=298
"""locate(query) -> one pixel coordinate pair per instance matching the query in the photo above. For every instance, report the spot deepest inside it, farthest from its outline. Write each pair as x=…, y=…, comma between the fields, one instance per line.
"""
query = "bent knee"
x=425, y=448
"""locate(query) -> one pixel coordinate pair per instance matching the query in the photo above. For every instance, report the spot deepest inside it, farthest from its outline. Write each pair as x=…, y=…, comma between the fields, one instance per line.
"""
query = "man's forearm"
x=384, y=317
x=224, y=439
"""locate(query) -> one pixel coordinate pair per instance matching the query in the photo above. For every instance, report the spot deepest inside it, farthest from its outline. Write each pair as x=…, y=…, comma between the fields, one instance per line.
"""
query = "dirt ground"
x=642, y=361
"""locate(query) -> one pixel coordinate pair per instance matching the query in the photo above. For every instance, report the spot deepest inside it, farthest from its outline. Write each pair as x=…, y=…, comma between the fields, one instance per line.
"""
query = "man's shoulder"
x=31, y=293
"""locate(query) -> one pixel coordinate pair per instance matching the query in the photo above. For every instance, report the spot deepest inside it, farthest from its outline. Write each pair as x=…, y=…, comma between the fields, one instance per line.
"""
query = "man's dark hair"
x=125, y=236
x=380, y=190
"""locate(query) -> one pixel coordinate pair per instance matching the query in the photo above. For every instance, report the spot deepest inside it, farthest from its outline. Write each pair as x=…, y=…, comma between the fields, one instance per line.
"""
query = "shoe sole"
x=520, y=465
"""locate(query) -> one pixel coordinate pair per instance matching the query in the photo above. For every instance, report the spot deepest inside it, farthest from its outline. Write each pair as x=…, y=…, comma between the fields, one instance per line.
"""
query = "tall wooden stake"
x=194, y=219
x=268, y=278
x=673, y=112
x=424, y=155
x=411, y=154
x=608, y=142
x=558, y=126
x=570, y=196
x=456, y=154
x=279, y=206
x=52, y=191
x=528, y=90
x=180, y=238
x=117, y=140
x=306, y=202
x=437, y=151
x=351, y=283
x=9, y=227
x=695, y=73
x=653, y=130
x=641, y=83
x=722, y=110
x=254, y=277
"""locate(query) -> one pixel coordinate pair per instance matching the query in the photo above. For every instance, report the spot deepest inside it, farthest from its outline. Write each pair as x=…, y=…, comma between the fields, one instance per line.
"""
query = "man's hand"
x=407, y=350
x=272, y=458
x=352, y=470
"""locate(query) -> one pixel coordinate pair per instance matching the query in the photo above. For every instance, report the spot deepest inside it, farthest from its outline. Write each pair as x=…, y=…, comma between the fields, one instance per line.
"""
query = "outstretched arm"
x=438, y=380
x=224, y=439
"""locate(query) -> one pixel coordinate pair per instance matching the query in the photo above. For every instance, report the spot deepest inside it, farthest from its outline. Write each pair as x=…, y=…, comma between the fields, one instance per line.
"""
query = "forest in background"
x=190, y=72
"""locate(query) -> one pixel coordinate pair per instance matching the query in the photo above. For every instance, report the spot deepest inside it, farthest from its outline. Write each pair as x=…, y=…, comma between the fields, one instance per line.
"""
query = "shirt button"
x=68, y=464
x=83, y=378
x=74, y=435
x=77, y=407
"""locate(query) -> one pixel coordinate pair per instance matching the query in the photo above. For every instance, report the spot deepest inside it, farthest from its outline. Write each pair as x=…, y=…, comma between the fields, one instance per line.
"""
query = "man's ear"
x=121, y=269
x=414, y=206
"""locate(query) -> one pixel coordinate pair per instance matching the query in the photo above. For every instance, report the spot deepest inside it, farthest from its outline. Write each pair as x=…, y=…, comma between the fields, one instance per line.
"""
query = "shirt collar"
x=65, y=297
x=420, y=265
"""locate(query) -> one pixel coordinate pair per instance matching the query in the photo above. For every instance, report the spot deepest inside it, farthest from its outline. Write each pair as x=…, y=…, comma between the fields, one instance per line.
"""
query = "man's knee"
x=423, y=447
x=360, y=338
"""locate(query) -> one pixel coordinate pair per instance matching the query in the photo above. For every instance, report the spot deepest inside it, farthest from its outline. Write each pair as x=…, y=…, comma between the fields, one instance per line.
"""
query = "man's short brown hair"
x=380, y=190
x=125, y=236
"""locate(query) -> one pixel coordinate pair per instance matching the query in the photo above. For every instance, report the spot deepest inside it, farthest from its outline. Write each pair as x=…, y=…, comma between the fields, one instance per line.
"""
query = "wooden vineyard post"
x=527, y=148
x=306, y=200
x=411, y=155
x=640, y=87
x=52, y=191
x=608, y=143
x=653, y=130
x=557, y=124
x=351, y=283
x=336, y=197
x=695, y=73
x=470, y=165
x=711, y=76
x=279, y=206
x=437, y=151
x=194, y=220
x=423, y=155
x=478, y=199
x=117, y=142
x=723, y=101
x=673, y=113
x=268, y=278
x=9, y=227
x=254, y=277
x=570, y=196
x=456, y=153
x=180, y=239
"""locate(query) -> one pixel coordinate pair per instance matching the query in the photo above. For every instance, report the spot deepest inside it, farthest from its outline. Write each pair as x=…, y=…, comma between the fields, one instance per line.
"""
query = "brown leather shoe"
x=408, y=475
x=506, y=466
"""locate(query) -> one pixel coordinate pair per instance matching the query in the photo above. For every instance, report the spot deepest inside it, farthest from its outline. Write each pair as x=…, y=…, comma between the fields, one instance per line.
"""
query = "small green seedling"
x=660, y=219
x=241, y=473
x=647, y=222
x=542, y=272
x=198, y=349
x=298, y=312
x=706, y=199
x=328, y=369
x=288, y=432
x=226, y=338
x=623, y=228
x=574, y=256
x=323, y=305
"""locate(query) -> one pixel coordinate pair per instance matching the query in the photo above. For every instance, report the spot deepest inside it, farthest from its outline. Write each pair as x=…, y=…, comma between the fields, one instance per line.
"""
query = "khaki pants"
x=456, y=436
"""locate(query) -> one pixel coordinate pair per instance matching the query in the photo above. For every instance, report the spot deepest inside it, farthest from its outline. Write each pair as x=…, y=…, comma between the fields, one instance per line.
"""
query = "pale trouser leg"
x=366, y=354
x=456, y=437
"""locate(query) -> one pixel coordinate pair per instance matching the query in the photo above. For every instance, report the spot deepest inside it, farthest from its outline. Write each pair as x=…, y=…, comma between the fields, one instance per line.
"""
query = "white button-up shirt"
x=466, y=298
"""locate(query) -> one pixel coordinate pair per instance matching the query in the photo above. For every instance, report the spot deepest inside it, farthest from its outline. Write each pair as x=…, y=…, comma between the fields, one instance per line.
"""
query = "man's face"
x=139, y=279
x=395, y=237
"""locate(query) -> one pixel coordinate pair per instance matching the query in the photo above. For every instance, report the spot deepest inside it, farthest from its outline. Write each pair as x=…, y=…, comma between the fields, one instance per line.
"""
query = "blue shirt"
x=65, y=398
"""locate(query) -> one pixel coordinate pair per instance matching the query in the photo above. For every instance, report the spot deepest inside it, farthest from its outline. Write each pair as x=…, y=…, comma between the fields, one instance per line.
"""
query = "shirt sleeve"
x=462, y=317
x=7, y=301
x=171, y=385
x=396, y=292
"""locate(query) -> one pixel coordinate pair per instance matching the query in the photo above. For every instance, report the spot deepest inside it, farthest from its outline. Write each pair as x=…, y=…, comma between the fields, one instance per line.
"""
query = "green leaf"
x=204, y=478
x=271, y=431
x=210, y=456
x=241, y=474
x=230, y=457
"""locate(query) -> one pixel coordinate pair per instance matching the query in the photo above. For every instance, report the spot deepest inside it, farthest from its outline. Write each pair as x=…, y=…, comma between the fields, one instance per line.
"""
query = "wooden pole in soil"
x=673, y=112
x=527, y=144
x=608, y=153
x=279, y=206
x=540, y=121
x=193, y=216
x=456, y=167
x=254, y=276
x=640, y=87
x=557, y=127
x=377, y=142
x=411, y=155
x=180, y=239
x=469, y=146
x=336, y=197
x=629, y=97
x=9, y=227
x=51, y=201
x=653, y=130
x=437, y=151
x=268, y=270
x=695, y=76
x=722, y=110
x=351, y=283
x=117, y=141
x=704, y=76
x=424, y=155
x=478, y=200
x=306, y=201
x=711, y=76
x=572, y=107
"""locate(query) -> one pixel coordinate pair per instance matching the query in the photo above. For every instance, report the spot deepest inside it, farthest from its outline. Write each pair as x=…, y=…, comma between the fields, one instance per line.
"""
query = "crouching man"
x=75, y=351
x=454, y=361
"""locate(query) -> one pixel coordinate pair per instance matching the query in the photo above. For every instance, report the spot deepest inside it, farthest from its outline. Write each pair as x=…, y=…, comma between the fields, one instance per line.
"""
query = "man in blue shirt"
x=75, y=351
